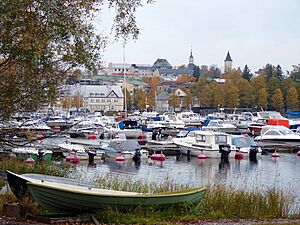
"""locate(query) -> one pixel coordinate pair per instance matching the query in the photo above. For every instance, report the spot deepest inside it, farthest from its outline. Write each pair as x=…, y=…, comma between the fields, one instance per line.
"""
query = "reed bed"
x=219, y=202
x=48, y=168
x=127, y=183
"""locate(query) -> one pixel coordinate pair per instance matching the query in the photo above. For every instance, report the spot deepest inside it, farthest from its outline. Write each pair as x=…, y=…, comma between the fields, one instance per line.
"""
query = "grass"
x=19, y=166
x=219, y=202
x=126, y=183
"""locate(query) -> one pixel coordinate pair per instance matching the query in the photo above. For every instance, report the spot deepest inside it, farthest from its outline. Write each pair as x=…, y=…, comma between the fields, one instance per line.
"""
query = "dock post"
x=91, y=158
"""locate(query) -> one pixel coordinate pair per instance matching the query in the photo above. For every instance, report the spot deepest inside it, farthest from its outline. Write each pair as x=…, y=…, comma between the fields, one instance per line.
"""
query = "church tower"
x=227, y=63
x=191, y=64
x=191, y=59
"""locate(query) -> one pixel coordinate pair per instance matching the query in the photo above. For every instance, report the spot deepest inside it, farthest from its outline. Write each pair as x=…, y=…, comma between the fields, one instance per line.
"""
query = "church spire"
x=191, y=59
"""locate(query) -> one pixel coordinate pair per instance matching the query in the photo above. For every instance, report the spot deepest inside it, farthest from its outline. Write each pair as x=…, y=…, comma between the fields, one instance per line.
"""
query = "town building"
x=97, y=97
x=227, y=63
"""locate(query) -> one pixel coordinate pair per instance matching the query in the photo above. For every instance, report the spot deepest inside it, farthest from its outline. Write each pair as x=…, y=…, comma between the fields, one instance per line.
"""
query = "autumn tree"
x=187, y=101
x=139, y=99
x=231, y=95
x=40, y=41
x=257, y=84
x=174, y=101
x=232, y=76
x=262, y=101
x=292, y=98
x=277, y=100
x=185, y=78
x=244, y=93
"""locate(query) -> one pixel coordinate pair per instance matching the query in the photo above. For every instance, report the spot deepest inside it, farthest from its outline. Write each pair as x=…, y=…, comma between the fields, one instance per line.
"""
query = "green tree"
x=41, y=41
x=262, y=101
x=246, y=73
x=277, y=100
x=292, y=98
x=206, y=96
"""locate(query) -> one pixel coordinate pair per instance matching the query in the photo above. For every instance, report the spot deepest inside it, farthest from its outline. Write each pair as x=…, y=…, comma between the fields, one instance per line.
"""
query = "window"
x=221, y=139
x=115, y=100
x=201, y=138
x=91, y=94
x=97, y=100
x=272, y=132
x=102, y=100
x=108, y=100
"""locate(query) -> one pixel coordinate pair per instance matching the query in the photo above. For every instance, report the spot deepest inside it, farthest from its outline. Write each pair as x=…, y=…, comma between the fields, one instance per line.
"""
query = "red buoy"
x=298, y=153
x=275, y=155
x=73, y=159
x=30, y=160
x=120, y=158
x=239, y=155
x=92, y=136
x=201, y=156
x=158, y=157
x=40, y=137
x=57, y=129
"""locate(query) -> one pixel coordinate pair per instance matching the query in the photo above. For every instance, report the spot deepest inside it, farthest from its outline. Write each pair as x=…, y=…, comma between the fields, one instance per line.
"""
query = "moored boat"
x=59, y=197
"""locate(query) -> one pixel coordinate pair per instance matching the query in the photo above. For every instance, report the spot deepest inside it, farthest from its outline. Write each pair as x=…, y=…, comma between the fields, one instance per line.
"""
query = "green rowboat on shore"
x=66, y=198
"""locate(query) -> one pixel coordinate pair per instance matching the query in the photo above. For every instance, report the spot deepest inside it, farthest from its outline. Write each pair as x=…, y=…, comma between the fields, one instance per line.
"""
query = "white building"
x=100, y=97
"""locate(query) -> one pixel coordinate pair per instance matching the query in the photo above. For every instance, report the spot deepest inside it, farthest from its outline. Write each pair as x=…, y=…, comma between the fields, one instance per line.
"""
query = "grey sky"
x=256, y=32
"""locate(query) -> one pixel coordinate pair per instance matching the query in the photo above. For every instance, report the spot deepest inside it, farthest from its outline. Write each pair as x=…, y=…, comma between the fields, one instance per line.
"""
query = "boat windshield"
x=182, y=133
x=286, y=131
x=241, y=142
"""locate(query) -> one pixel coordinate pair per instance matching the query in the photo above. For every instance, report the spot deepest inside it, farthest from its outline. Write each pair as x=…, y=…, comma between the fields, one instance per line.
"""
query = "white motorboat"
x=244, y=144
x=218, y=126
x=206, y=142
x=277, y=136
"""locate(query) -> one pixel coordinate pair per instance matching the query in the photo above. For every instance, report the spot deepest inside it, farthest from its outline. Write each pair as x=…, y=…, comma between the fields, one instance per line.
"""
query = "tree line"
x=270, y=89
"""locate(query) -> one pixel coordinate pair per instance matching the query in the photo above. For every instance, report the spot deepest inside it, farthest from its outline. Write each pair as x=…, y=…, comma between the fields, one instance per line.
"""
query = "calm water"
x=284, y=172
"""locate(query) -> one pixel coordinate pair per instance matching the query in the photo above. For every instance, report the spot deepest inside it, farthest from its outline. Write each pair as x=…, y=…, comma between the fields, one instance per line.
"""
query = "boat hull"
x=66, y=198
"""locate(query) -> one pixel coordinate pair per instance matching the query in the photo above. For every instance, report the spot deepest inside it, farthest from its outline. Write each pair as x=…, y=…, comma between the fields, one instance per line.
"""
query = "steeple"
x=228, y=57
x=227, y=63
x=191, y=59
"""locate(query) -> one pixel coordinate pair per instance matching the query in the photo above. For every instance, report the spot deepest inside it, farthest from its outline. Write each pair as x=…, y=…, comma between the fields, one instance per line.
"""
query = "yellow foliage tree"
x=277, y=100
x=174, y=101
x=262, y=102
x=292, y=98
x=185, y=78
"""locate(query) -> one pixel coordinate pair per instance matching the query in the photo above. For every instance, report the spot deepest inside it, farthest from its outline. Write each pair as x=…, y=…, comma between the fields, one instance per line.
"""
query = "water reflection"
x=257, y=175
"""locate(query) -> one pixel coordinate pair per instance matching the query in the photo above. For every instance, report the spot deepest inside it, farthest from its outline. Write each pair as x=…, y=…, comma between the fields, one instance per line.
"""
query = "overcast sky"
x=256, y=32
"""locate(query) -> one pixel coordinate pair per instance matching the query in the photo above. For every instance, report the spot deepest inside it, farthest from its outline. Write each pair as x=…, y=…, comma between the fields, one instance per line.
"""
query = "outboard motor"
x=137, y=156
x=253, y=153
x=225, y=151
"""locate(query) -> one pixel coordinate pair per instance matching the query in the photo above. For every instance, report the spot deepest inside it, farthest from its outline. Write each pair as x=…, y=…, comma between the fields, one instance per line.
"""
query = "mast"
x=125, y=85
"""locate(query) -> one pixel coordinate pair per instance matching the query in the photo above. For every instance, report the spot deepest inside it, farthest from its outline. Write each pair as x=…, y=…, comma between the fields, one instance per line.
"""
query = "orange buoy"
x=120, y=158
x=158, y=157
x=92, y=136
x=30, y=160
x=275, y=155
x=298, y=153
x=201, y=156
x=239, y=155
